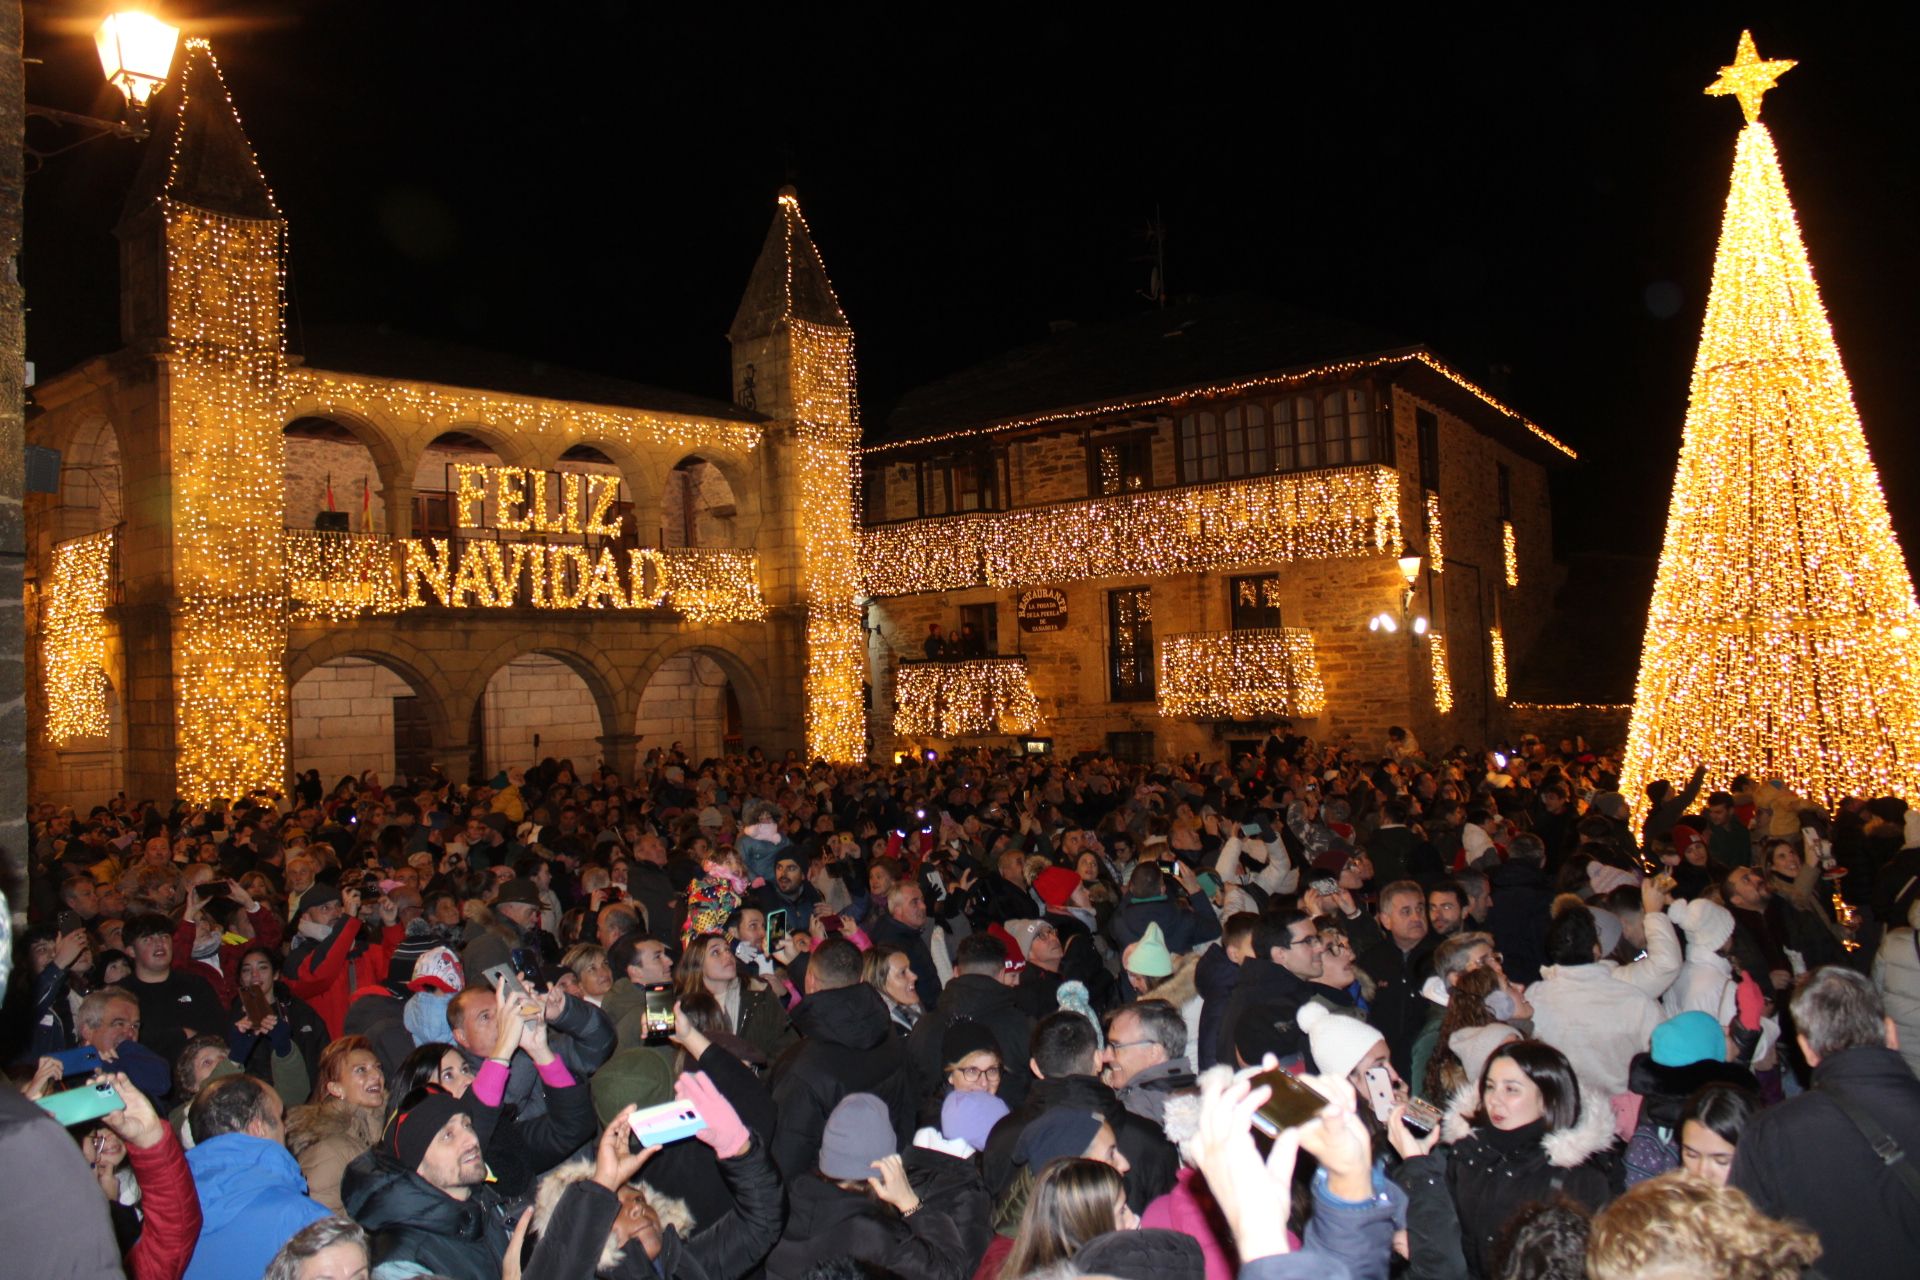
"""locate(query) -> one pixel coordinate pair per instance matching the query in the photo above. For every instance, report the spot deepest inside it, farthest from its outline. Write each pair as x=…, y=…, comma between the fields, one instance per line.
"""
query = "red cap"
x=1055, y=886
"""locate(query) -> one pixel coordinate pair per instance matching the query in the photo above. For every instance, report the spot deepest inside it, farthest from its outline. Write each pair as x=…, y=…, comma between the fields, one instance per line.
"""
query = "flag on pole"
x=330, y=505
x=366, y=505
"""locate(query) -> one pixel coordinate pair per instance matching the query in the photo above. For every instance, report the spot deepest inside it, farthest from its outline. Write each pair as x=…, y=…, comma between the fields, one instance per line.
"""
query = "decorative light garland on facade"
x=557, y=424
x=964, y=699
x=1511, y=553
x=1338, y=513
x=1442, y=685
x=1602, y=708
x=1783, y=638
x=1498, y=644
x=73, y=645
x=1241, y=675
x=1436, y=541
x=1238, y=387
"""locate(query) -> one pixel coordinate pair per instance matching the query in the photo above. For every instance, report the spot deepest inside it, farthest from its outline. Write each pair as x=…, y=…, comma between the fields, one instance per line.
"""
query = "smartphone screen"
x=1380, y=1092
x=776, y=929
x=1251, y=830
x=659, y=1014
x=1293, y=1103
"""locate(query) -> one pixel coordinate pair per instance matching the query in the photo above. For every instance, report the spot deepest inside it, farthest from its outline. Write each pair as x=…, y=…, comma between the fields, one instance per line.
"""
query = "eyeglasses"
x=1117, y=1045
x=974, y=1075
x=1310, y=941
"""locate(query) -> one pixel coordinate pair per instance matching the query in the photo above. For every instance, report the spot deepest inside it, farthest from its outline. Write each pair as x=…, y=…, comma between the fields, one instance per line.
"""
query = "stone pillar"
x=620, y=751
x=13, y=545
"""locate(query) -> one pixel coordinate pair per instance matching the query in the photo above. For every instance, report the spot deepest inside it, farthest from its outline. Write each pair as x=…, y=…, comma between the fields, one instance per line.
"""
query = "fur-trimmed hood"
x=1179, y=986
x=671, y=1211
x=1567, y=1148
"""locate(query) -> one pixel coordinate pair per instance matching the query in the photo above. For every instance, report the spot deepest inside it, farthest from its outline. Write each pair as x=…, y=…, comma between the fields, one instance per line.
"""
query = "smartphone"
x=776, y=929
x=504, y=977
x=257, y=1004
x=667, y=1122
x=1326, y=887
x=1421, y=1118
x=1293, y=1103
x=1251, y=830
x=527, y=965
x=657, y=1021
x=78, y=1061
x=66, y=922
x=88, y=1102
x=1380, y=1092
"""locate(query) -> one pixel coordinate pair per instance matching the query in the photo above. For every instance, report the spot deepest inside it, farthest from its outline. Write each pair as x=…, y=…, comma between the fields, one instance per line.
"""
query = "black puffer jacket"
x=825, y=1221
x=849, y=1048
x=408, y=1219
x=1270, y=993
x=956, y=1186
x=994, y=1005
x=727, y=1248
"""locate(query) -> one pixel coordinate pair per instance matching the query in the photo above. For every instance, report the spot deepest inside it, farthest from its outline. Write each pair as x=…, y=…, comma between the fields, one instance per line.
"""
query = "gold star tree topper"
x=1749, y=78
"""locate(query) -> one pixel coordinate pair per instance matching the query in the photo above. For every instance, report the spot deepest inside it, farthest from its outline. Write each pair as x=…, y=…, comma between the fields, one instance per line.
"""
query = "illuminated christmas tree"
x=1783, y=640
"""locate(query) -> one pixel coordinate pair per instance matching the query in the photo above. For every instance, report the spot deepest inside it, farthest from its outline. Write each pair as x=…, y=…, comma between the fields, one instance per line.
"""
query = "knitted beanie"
x=639, y=1075
x=1059, y=1134
x=1056, y=886
x=1707, y=925
x=970, y=1117
x=1338, y=1042
x=859, y=1134
x=1149, y=956
x=413, y=1130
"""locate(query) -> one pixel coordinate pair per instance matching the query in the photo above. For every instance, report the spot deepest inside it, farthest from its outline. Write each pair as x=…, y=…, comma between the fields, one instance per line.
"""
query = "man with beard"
x=422, y=1192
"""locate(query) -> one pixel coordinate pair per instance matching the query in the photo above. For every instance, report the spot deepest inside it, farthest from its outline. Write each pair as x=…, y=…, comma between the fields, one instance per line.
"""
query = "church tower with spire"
x=793, y=362
x=202, y=260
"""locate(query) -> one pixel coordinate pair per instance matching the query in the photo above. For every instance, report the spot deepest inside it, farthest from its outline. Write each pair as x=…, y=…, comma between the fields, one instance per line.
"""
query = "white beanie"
x=1707, y=925
x=1339, y=1042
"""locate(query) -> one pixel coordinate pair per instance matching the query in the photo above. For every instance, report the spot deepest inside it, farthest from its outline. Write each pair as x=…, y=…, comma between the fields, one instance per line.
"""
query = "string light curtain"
x=1498, y=644
x=1510, y=552
x=1339, y=513
x=1248, y=674
x=73, y=648
x=965, y=699
x=1436, y=542
x=1442, y=683
x=1783, y=639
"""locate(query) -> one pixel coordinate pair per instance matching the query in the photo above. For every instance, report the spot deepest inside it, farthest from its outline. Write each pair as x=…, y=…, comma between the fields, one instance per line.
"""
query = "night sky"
x=1535, y=196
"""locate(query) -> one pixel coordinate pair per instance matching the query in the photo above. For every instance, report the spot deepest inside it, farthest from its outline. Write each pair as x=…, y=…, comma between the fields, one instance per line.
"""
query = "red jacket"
x=170, y=1222
x=328, y=975
x=223, y=977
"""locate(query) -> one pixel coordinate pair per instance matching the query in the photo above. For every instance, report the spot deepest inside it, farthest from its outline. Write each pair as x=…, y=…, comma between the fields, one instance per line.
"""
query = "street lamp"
x=136, y=53
x=1383, y=621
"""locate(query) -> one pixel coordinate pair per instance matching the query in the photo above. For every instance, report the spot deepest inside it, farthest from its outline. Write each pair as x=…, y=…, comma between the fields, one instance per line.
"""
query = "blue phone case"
x=75, y=1061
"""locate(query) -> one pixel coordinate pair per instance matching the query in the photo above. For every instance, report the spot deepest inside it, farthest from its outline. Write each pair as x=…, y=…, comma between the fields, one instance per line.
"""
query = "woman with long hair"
x=342, y=1119
x=1072, y=1202
x=274, y=1034
x=754, y=1012
x=1466, y=1009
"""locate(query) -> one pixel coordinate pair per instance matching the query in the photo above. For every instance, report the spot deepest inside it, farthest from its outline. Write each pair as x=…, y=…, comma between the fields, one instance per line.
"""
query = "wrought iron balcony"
x=964, y=698
x=1251, y=674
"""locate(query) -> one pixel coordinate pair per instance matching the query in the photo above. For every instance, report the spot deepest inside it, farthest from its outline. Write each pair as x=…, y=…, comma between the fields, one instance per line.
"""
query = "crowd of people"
x=1328, y=1009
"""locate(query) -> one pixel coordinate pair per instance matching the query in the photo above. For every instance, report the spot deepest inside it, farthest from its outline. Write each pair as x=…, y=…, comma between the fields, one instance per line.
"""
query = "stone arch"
x=508, y=444
x=92, y=481
x=739, y=478
x=746, y=674
x=640, y=475
x=605, y=687
x=344, y=715
x=421, y=672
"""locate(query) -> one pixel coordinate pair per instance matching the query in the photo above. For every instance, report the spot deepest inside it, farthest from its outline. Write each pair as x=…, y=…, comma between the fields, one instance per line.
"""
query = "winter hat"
x=1059, y=1134
x=1611, y=804
x=520, y=890
x=970, y=1117
x=1606, y=879
x=965, y=1036
x=1474, y=1045
x=1022, y=931
x=638, y=1075
x=425, y=1017
x=1149, y=957
x=859, y=1134
x=1147, y=1253
x=1687, y=1038
x=438, y=969
x=320, y=894
x=1607, y=925
x=412, y=1130
x=1338, y=1042
x=1707, y=925
x=1056, y=886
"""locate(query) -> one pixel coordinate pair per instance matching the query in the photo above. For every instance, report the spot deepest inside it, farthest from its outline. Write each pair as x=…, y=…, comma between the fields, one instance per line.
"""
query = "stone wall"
x=343, y=719
x=539, y=698
x=699, y=487
x=685, y=702
x=310, y=462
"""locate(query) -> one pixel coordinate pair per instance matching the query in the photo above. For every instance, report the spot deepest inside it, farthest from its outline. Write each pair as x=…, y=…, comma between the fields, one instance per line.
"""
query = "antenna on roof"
x=1156, y=235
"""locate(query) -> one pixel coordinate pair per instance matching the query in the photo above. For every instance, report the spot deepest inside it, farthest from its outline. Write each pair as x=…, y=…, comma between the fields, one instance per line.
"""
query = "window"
x=985, y=621
x=432, y=513
x=1131, y=748
x=1503, y=482
x=1255, y=601
x=1330, y=428
x=1123, y=464
x=1346, y=426
x=1130, y=643
x=1427, y=425
x=960, y=484
x=1199, y=447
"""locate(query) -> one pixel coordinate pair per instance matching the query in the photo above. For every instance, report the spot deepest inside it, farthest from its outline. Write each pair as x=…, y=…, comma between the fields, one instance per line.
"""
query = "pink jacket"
x=1190, y=1208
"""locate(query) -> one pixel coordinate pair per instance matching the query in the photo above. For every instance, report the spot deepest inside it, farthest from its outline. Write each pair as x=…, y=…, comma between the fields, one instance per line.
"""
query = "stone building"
x=376, y=551
x=1172, y=530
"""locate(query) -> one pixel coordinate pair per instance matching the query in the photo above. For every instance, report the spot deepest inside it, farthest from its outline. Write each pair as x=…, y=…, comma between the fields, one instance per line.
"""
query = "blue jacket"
x=761, y=856
x=253, y=1198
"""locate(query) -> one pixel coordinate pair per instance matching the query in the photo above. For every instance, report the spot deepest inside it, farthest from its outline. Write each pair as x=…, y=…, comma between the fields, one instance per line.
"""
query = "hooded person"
x=857, y=1202
x=761, y=844
x=1707, y=982
x=1070, y=912
x=422, y=1193
x=333, y=955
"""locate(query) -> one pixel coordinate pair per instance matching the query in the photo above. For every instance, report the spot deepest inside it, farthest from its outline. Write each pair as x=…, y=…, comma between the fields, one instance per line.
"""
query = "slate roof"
x=382, y=352
x=789, y=281
x=200, y=155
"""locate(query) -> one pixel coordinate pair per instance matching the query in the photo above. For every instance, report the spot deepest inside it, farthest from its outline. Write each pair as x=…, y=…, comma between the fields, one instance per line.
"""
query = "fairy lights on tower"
x=1783, y=639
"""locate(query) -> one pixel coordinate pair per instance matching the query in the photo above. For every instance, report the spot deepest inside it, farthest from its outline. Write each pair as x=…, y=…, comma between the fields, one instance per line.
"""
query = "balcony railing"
x=338, y=576
x=1251, y=674
x=970, y=697
x=1310, y=515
